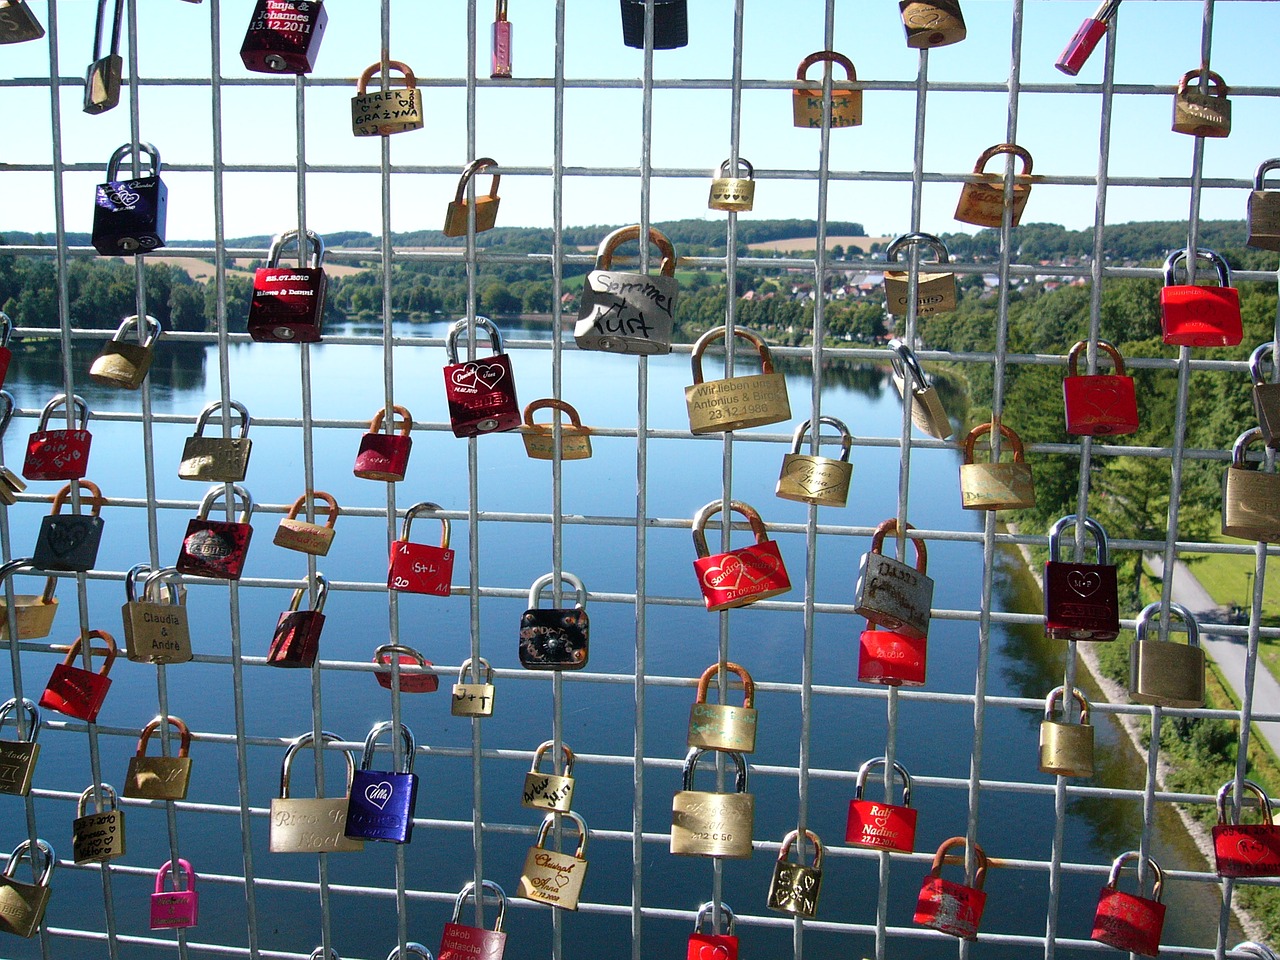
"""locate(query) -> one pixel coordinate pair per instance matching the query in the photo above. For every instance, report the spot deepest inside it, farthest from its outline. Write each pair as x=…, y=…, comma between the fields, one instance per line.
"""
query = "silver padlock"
x=892, y=594
x=927, y=413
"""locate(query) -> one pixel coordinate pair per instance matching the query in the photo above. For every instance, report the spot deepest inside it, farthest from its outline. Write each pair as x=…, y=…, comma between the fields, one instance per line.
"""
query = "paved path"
x=1229, y=653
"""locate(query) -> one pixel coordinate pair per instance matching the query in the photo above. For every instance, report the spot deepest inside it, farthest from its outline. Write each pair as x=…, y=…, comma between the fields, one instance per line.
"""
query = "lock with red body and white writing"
x=742, y=576
x=179, y=907
x=129, y=215
x=481, y=393
x=385, y=456
x=555, y=638
x=953, y=908
x=284, y=36
x=382, y=801
x=1081, y=600
x=1127, y=921
x=70, y=541
x=1099, y=404
x=75, y=691
x=217, y=548
x=722, y=726
x=288, y=302
x=881, y=826
x=624, y=311
x=421, y=567
x=889, y=592
x=59, y=454
x=714, y=946
x=420, y=678
x=892, y=658
x=296, y=642
x=461, y=942
x=1246, y=849
x=1080, y=46
x=1196, y=316
x=549, y=791
x=18, y=757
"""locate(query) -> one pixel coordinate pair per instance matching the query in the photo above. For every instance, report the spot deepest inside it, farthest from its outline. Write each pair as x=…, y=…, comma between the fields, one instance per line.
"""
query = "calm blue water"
x=933, y=739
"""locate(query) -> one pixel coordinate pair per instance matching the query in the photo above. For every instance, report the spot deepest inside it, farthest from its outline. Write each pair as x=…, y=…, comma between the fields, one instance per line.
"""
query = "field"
x=811, y=243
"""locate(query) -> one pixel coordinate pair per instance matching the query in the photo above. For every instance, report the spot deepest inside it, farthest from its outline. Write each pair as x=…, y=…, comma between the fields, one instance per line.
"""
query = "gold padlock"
x=982, y=197
x=303, y=535
x=10, y=483
x=731, y=192
x=554, y=878
x=455, y=218
x=314, y=824
x=794, y=888
x=1264, y=211
x=473, y=699
x=224, y=459
x=390, y=110
x=22, y=905
x=1205, y=111
x=155, y=631
x=32, y=612
x=549, y=791
x=806, y=102
x=720, y=726
x=160, y=778
x=927, y=412
x=125, y=362
x=932, y=23
x=705, y=824
x=1066, y=749
x=996, y=486
x=935, y=292
x=735, y=403
x=1266, y=396
x=97, y=837
x=540, y=439
x=1164, y=672
x=1250, y=498
x=102, y=80
x=813, y=479
x=18, y=757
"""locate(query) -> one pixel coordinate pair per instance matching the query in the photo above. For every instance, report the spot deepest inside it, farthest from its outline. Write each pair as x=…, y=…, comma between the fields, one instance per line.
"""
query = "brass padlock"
x=10, y=483
x=731, y=192
x=996, y=486
x=794, y=888
x=932, y=23
x=18, y=23
x=549, y=791
x=390, y=110
x=160, y=778
x=224, y=459
x=1250, y=498
x=927, y=412
x=22, y=905
x=1264, y=211
x=97, y=837
x=1166, y=673
x=124, y=362
x=18, y=757
x=102, y=82
x=1266, y=396
x=156, y=631
x=1066, y=749
x=554, y=878
x=473, y=699
x=721, y=726
x=540, y=438
x=33, y=612
x=311, y=825
x=735, y=403
x=1205, y=111
x=303, y=535
x=807, y=102
x=982, y=197
x=935, y=292
x=705, y=824
x=809, y=478
x=455, y=218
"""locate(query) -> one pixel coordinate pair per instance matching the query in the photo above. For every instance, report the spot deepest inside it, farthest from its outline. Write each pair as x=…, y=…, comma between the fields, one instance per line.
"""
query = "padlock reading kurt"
x=625, y=312
x=288, y=302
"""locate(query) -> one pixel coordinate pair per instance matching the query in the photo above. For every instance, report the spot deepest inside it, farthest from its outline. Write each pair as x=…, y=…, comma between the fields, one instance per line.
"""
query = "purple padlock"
x=381, y=803
x=175, y=908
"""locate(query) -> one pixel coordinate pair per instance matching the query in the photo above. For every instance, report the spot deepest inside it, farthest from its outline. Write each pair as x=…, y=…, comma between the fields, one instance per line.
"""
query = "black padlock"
x=69, y=541
x=129, y=215
x=102, y=81
x=554, y=638
x=670, y=24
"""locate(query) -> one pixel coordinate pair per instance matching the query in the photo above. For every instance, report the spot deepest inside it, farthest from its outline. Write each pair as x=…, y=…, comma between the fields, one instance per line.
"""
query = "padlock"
x=714, y=946
x=935, y=292
x=179, y=907
x=1264, y=213
x=1126, y=921
x=385, y=456
x=1250, y=497
x=810, y=478
x=18, y=23
x=217, y=548
x=123, y=361
x=1081, y=45
x=421, y=567
x=411, y=949
x=982, y=196
x=1246, y=849
x=284, y=36
x=129, y=215
x=102, y=81
x=721, y=726
x=313, y=824
x=296, y=642
x=224, y=459
x=735, y=403
x=481, y=393
x=382, y=801
x=6, y=355
x=303, y=535
x=160, y=777
x=624, y=312
x=549, y=791
x=1081, y=600
x=18, y=757
x=61, y=454
x=731, y=192
x=742, y=576
x=22, y=905
x=889, y=592
x=953, y=908
x=932, y=23
x=288, y=302
x=794, y=888
x=99, y=836
x=540, y=439
x=927, y=411
x=390, y=110
x=473, y=699
x=892, y=658
x=155, y=631
x=557, y=638
x=1204, y=111
x=33, y=612
x=1166, y=673
x=1099, y=404
x=500, y=43
x=462, y=942
x=1266, y=396
x=455, y=218
x=707, y=824
x=10, y=483
x=1066, y=749
x=550, y=877
x=670, y=24
x=995, y=485
x=806, y=101
x=1196, y=316
x=419, y=678
x=881, y=826
x=75, y=691
x=69, y=541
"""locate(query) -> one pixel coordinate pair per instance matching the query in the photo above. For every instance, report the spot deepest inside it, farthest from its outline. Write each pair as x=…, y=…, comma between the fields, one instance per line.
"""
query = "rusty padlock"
x=1099, y=404
x=807, y=102
x=982, y=196
x=953, y=908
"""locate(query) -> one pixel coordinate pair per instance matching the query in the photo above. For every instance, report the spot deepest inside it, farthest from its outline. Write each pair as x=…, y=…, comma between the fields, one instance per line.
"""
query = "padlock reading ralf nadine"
x=735, y=403
x=795, y=887
x=284, y=36
x=59, y=454
x=721, y=726
x=420, y=678
x=995, y=485
x=124, y=361
x=421, y=567
x=222, y=459
x=1099, y=404
x=714, y=946
x=22, y=905
x=311, y=824
x=982, y=197
x=69, y=541
x=1164, y=672
x=810, y=478
x=217, y=548
x=1081, y=600
x=1263, y=213
x=935, y=292
x=129, y=215
x=385, y=456
x=179, y=907
x=1126, y=921
x=556, y=638
x=1066, y=749
x=1246, y=849
x=1250, y=496
x=807, y=101
x=554, y=878
x=304, y=536
x=481, y=393
x=928, y=415
x=877, y=825
x=1266, y=396
x=461, y=942
x=628, y=312
x=391, y=110
x=78, y=692
x=288, y=302
x=549, y=791
x=1197, y=316
x=455, y=217
x=953, y=908
x=18, y=757
x=160, y=777
x=742, y=576
x=382, y=801
x=889, y=592
x=296, y=642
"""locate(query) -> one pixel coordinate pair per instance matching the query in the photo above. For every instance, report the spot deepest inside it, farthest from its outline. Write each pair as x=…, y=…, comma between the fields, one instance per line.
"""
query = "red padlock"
x=420, y=567
x=385, y=456
x=741, y=576
x=891, y=658
x=1193, y=316
x=1099, y=404
x=1086, y=38
x=217, y=548
x=6, y=331
x=59, y=454
x=953, y=907
x=481, y=393
x=881, y=826
x=461, y=942
x=297, y=639
x=714, y=946
x=78, y=692
x=1246, y=849
x=1128, y=922
x=416, y=681
x=1081, y=600
x=284, y=36
x=288, y=302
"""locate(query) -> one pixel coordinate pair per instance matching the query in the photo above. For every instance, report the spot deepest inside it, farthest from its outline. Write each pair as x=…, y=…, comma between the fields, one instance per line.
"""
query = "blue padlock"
x=381, y=803
x=129, y=215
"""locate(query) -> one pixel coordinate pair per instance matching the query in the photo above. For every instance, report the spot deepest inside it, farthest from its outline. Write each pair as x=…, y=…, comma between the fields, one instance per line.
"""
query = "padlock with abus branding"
x=982, y=196
x=556, y=638
x=807, y=102
x=730, y=191
x=390, y=110
x=33, y=612
x=419, y=678
x=179, y=907
x=881, y=826
x=1250, y=497
x=1126, y=921
x=953, y=908
x=385, y=456
x=554, y=878
x=1099, y=404
x=160, y=777
x=288, y=302
x=99, y=836
x=224, y=459
x=382, y=801
x=500, y=43
x=927, y=412
x=421, y=567
x=935, y=292
x=540, y=438
x=462, y=942
x=59, y=454
x=296, y=642
x=295, y=533
x=737, y=577
x=1246, y=849
x=995, y=485
x=69, y=541
x=1082, y=43
x=714, y=946
x=18, y=23
x=1081, y=600
x=889, y=592
x=932, y=23
x=809, y=478
x=315, y=824
x=1066, y=748
x=625, y=312
x=549, y=791
x=129, y=215
x=795, y=887
x=481, y=393
x=123, y=360
x=735, y=403
x=75, y=691
x=102, y=80
x=1266, y=396
x=1204, y=111
x=18, y=757
x=284, y=36
x=722, y=726
x=1164, y=672
x=1198, y=316
x=217, y=548
x=22, y=905
x=471, y=697
x=708, y=824
x=155, y=631
x=1264, y=211
x=892, y=658
x=455, y=217
x=670, y=23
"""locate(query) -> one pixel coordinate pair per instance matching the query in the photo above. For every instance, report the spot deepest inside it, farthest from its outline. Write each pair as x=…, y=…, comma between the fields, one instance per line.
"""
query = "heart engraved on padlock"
x=130, y=216
x=1081, y=600
x=714, y=946
x=98, y=837
x=390, y=110
x=1246, y=849
x=381, y=804
x=877, y=825
x=742, y=576
x=795, y=887
x=70, y=541
x=810, y=478
x=554, y=878
x=481, y=394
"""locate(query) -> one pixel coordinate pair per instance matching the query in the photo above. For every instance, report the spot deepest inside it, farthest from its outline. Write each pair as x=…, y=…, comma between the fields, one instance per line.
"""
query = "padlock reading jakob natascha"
x=1126, y=921
x=70, y=541
x=556, y=638
x=75, y=691
x=296, y=642
x=807, y=102
x=731, y=192
x=462, y=942
x=623, y=312
x=1099, y=404
x=311, y=824
x=155, y=631
x=129, y=215
x=421, y=567
x=877, y=825
x=928, y=415
x=1250, y=497
x=99, y=836
x=1081, y=600
x=1266, y=396
x=714, y=946
x=982, y=196
x=455, y=218
x=481, y=393
x=33, y=612
x=22, y=905
x=102, y=79
x=540, y=438
x=737, y=577
x=1264, y=211
x=300, y=534
x=179, y=907
x=391, y=110
x=1197, y=316
x=222, y=459
x=1204, y=111
x=18, y=757
x=160, y=777
x=932, y=23
x=995, y=485
x=1246, y=849
x=795, y=887
x=549, y=791
x=18, y=23
x=217, y=548
x=953, y=908
x=382, y=802
x=471, y=696
x=123, y=361
x=59, y=454
x=385, y=456
x=722, y=726
x=889, y=592
x=1164, y=672
x=735, y=403
x=284, y=36
x=554, y=878
x=1066, y=749
x=709, y=824
x=288, y=302
x=810, y=478
x=935, y=292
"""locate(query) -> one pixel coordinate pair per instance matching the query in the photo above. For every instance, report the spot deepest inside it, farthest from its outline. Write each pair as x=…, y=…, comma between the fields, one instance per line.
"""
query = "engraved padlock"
x=1126, y=921
x=708, y=824
x=735, y=403
x=927, y=412
x=540, y=440
x=892, y=658
x=130, y=214
x=421, y=567
x=296, y=642
x=63, y=453
x=389, y=110
x=99, y=836
x=556, y=638
x=881, y=825
x=311, y=824
x=179, y=907
x=160, y=777
x=1099, y=404
x=807, y=101
x=18, y=757
x=1082, y=43
x=33, y=612
x=1250, y=497
x=155, y=631
x=472, y=698
x=1164, y=672
x=795, y=887
x=730, y=191
x=461, y=942
x=288, y=302
x=481, y=393
x=455, y=217
x=298, y=533
x=382, y=801
x=1197, y=316
x=742, y=576
x=953, y=908
x=809, y=478
x=1264, y=212
x=75, y=691
x=1205, y=110
x=670, y=23
x=217, y=548
x=982, y=196
x=722, y=726
x=500, y=43
x=995, y=485
x=284, y=36
x=1066, y=749
x=1081, y=600
x=419, y=678
x=385, y=456
x=224, y=459
x=102, y=80
x=714, y=946
x=18, y=23
x=1266, y=396
x=554, y=878
x=889, y=592
x=1246, y=849
x=549, y=791
x=70, y=541
x=935, y=292
x=10, y=483
x=628, y=312
x=932, y=23
x=123, y=361
x=22, y=905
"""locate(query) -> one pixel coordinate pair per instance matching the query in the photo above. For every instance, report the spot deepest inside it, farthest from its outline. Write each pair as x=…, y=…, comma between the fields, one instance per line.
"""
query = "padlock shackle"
x=718, y=333
x=826, y=56
x=1260, y=352
x=316, y=496
x=1258, y=951
x=281, y=240
x=604, y=253
x=743, y=162
x=306, y=740
x=1264, y=802
x=549, y=821
x=115, y=28
x=108, y=653
x=917, y=239
x=1073, y=357
x=318, y=954
x=748, y=685
x=547, y=579
x=979, y=876
x=23, y=851
x=1058, y=694
x=792, y=839
x=130, y=149
x=1220, y=265
x=1003, y=148
x=460, y=327
x=1015, y=442
x=235, y=406
x=413, y=948
x=24, y=563
x=1152, y=610
x=550, y=403
x=1091, y=526
x=1214, y=80
x=1114, y=878
x=846, y=438
x=550, y=745
x=410, y=81
x=480, y=663
x=322, y=586
x=184, y=744
x=903, y=360
x=97, y=793
x=406, y=421
x=1240, y=449
x=216, y=493
x=10, y=708
x=366, y=758
x=6, y=328
x=60, y=400
x=182, y=867
x=1263, y=169
x=708, y=910
x=419, y=509
x=500, y=14
x=889, y=526
x=473, y=168
x=164, y=576
x=154, y=329
x=899, y=770
x=486, y=886
x=7, y=405
x=695, y=754
x=97, y=500
x=708, y=511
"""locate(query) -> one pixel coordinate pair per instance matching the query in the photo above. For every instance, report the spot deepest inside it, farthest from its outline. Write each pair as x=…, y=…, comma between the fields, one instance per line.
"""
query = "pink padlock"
x=175, y=908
